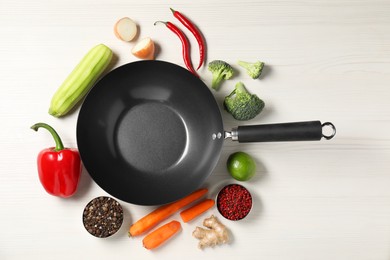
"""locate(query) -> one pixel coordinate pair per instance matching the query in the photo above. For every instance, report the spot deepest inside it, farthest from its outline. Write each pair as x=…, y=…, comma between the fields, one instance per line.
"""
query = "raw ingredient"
x=163, y=212
x=102, y=217
x=185, y=45
x=215, y=234
x=161, y=234
x=125, y=29
x=234, y=202
x=221, y=70
x=80, y=80
x=144, y=49
x=253, y=69
x=59, y=168
x=195, y=31
x=243, y=105
x=241, y=166
x=196, y=210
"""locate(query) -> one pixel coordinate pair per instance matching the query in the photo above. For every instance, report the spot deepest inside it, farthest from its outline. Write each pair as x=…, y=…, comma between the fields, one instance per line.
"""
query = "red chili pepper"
x=59, y=168
x=185, y=45
x=195, y=31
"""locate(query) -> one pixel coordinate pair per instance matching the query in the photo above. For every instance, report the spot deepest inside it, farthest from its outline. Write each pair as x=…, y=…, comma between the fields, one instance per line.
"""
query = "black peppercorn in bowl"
x=234, y=202
x=103, y=216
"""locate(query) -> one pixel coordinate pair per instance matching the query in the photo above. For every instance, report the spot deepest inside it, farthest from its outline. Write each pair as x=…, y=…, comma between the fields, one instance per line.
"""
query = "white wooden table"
x=326, y=60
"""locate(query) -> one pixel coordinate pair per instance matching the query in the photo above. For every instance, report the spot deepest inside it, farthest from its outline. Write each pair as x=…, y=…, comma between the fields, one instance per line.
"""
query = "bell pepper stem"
x=57, y=139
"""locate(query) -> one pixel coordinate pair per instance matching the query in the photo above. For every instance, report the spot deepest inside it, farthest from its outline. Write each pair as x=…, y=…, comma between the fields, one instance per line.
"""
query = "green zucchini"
x=80, y=80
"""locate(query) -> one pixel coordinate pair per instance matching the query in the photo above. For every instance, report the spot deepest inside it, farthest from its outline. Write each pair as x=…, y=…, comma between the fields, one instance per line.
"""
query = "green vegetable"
x=241, y=166
x=80, y=80
x=253, y=69
x=221, y=71
x=242, y=104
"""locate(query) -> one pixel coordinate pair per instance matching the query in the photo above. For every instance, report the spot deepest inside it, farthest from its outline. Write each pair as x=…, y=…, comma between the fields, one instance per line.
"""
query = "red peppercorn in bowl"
x=234, y=202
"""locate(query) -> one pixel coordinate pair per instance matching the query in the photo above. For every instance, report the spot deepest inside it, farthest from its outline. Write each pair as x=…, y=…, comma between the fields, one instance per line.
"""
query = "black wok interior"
x=146, y=132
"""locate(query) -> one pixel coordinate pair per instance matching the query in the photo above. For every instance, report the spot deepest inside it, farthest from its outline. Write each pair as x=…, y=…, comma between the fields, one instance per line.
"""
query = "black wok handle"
x=297, y=131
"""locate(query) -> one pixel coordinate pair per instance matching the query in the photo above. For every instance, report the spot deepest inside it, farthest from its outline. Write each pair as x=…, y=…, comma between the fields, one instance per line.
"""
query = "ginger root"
x=216, y=233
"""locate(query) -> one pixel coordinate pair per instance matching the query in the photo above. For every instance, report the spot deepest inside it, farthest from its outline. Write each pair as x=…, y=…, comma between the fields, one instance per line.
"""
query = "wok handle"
x=296, y=131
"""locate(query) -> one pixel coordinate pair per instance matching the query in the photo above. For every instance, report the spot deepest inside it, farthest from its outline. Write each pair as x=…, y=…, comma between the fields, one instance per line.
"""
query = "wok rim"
x=159, y=198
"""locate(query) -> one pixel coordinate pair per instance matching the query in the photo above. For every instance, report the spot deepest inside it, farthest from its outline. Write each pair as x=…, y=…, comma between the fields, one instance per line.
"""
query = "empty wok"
x=150, y=132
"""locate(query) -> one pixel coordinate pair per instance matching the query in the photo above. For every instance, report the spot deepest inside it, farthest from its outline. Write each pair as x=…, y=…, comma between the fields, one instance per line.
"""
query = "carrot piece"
x=161, y=234
x=196, y=210
x=163, y=212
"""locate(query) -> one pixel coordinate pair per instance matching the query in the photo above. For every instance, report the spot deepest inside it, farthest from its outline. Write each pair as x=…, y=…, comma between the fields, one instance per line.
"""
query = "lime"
x=241, y=166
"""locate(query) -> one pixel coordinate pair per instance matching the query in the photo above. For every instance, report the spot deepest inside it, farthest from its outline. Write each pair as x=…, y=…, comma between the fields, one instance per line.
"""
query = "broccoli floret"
x=253, y=69
x=221, y=70
x=242, y=104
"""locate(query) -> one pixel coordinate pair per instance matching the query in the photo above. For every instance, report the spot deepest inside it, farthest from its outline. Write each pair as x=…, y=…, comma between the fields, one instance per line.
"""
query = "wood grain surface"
x=326, y=60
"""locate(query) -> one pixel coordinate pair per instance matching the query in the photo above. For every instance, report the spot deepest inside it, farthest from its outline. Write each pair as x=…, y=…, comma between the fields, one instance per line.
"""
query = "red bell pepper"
x=59, y=168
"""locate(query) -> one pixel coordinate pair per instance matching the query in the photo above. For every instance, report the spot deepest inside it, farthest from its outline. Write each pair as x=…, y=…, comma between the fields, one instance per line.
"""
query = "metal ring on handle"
x=328, y=137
